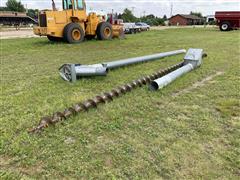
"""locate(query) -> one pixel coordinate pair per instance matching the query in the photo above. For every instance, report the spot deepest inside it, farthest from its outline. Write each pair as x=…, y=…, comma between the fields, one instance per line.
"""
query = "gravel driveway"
x=12, y=33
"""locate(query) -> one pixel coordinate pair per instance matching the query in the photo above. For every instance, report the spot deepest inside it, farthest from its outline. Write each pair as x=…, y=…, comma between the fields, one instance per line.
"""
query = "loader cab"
x=74, y=5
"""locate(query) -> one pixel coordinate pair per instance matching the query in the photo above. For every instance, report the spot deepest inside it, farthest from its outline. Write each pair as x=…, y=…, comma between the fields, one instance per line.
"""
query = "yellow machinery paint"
x=74, y=25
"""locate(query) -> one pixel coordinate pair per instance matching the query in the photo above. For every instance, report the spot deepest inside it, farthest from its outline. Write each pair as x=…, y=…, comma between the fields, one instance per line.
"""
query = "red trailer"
x=228, y=20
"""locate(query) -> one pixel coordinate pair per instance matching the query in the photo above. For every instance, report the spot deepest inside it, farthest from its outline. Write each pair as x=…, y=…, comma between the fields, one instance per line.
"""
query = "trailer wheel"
x=104, y=31
x=54, y=39
x=73, y=33
x=225, y=26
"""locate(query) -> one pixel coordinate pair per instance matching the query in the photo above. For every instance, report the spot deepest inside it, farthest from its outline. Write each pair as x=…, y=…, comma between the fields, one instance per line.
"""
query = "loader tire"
x=104, y=31
x=73, y=33
x=54, y=39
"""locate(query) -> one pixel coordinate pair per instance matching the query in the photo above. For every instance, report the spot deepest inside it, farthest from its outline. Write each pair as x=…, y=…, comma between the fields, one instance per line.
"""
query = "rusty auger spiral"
x=101, y=99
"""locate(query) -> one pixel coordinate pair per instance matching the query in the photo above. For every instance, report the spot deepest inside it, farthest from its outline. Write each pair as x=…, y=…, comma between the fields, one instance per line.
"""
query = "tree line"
x=151, y=20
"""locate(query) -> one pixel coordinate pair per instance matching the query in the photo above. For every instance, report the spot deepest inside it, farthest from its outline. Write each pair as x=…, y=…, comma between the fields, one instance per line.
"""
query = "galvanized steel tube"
x=192, y=60
x=91, y=71
x=70, y=72
x=125, y=62
x=164, y=81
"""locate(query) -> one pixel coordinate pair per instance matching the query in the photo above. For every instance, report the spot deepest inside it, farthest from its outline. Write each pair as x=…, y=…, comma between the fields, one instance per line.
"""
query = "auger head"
x=67, y=72
x=194, y=57
x=70, y=72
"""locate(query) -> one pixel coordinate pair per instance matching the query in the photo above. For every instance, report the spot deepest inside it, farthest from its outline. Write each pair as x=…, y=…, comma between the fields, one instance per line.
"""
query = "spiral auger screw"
x=100, y=99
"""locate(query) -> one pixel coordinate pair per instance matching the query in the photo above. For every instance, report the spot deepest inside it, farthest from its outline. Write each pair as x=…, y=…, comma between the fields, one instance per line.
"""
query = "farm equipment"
x=228, y=20
x=193, y=58
x=70, y=72
x=73, y=25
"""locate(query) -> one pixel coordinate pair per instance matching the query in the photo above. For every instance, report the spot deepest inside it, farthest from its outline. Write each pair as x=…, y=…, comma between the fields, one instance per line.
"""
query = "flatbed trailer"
x=228, y=20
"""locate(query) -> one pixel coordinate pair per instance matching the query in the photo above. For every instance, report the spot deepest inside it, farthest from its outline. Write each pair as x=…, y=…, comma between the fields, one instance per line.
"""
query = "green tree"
x=152, y=20
x=4, y=9
x=13, y=5
x=198, y=14
x=150, y=16
x=33, y=13
x=165, y=17
x=128, y=16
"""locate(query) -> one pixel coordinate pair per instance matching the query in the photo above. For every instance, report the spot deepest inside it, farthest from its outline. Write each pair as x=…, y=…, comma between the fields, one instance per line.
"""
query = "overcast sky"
x=156, y=7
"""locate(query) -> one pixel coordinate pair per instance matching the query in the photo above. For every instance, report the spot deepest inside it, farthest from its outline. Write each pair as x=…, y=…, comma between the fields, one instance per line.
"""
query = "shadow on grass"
x=47, y=42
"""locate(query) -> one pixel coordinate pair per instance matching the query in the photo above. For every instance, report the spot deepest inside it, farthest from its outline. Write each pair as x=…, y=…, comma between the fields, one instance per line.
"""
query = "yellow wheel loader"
x=73, y=25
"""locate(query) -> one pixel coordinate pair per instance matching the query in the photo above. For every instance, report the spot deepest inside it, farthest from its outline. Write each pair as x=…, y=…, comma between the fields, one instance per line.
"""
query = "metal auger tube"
x=192, y=60
x=101, y=99
x=164, y=81
x=126, y=62
x=70, y=72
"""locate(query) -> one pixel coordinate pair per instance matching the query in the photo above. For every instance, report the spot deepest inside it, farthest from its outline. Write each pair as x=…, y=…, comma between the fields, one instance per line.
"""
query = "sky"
x=141, y=7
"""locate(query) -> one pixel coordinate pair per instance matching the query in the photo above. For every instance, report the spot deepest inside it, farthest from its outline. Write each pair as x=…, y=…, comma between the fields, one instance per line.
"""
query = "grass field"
x=189, y=130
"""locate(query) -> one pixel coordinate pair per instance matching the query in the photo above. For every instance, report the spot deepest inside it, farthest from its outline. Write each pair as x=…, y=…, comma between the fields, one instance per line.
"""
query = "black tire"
x=54, y=39
x=104, y=31
x=73, y=33
x=225, y=26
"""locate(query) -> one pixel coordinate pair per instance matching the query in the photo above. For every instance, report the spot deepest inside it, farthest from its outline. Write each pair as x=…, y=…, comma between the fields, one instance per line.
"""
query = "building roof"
x=12, y=14
x=187, y=16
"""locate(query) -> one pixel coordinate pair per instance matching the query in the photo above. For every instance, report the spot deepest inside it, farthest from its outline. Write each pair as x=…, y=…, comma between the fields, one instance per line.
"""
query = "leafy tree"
x=160, y=21
x=165, y=17
x=198, y=14
x=128, y=16
x=33, y=13
x=4, y=9
x=150, y=16
x=150, y=19
x=13, y=5
x=119, y=16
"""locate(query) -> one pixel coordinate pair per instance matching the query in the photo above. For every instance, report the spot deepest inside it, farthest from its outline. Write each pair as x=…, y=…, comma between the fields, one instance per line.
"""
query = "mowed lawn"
x=190, y=129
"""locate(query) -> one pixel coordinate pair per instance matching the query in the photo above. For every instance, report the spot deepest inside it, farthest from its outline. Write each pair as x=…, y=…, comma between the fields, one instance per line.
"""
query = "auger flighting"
x=158, y=80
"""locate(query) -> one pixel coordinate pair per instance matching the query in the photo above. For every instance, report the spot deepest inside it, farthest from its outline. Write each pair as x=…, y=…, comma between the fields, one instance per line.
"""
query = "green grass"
x=143, y=135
